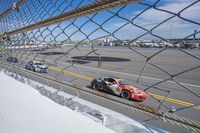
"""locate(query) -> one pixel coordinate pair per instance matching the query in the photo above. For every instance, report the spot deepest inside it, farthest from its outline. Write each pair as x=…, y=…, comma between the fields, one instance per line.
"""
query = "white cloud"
x=153, y=17
x=178, y=5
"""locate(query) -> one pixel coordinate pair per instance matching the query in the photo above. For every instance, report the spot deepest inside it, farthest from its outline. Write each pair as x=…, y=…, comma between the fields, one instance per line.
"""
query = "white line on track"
x=127, y=74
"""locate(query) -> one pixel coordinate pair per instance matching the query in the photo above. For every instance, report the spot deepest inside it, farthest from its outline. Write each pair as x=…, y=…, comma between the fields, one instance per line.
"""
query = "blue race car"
x=12, y=59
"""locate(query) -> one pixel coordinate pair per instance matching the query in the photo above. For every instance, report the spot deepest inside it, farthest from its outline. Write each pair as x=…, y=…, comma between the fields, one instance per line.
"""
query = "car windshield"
x=123, y=83
x=38, y=63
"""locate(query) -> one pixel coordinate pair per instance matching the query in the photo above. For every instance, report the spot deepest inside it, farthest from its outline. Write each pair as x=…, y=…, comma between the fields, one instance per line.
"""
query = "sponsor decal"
x=117, y=89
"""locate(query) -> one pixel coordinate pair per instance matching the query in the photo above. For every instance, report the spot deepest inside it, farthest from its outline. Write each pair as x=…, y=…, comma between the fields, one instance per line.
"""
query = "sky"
x=120, y=26
x=174, y=28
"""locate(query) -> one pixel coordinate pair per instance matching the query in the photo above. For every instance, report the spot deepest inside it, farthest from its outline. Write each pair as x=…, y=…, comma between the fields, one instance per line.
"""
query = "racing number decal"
x=118, y=89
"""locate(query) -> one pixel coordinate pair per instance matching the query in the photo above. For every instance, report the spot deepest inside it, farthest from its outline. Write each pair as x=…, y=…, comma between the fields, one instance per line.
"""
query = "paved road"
x=127, y=61
x=128, y=64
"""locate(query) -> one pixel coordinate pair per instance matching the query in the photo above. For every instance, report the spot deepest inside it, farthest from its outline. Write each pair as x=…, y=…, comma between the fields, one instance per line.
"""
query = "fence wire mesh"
x=152, y=43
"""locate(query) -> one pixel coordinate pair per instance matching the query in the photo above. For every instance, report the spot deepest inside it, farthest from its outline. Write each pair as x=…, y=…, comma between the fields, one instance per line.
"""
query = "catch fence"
x=86, y=39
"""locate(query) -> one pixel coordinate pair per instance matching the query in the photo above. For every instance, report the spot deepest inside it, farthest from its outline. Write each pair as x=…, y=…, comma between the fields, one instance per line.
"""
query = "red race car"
x=118, y=87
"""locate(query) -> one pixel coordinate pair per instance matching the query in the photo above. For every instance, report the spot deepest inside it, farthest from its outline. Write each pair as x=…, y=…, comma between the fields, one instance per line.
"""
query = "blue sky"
x=174, y=28
x=5, y=4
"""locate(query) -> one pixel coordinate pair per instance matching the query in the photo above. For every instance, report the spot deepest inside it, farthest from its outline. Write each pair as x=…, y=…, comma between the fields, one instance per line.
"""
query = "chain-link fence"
x=153, y=44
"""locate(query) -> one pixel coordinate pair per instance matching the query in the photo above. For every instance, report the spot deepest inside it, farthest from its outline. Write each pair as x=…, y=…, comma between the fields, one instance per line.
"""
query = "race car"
x=12, y=59
x=118, y=87
x=36, y=66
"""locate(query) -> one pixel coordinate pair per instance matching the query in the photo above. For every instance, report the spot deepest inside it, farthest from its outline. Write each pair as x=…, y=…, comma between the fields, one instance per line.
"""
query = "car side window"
x=105, y=79
x=111, y=80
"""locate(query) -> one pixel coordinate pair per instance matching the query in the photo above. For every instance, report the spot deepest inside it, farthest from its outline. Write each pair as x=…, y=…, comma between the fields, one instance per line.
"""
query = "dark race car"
x=118, y=87
x=12, y=59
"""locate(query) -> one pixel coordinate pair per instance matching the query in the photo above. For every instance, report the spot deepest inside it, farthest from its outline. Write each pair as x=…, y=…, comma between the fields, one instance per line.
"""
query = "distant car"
x=36, y=66
x=118, y=87
x=12, y=59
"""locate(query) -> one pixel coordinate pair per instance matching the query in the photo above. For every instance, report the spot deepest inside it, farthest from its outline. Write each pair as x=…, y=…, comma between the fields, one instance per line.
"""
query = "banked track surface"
x=143, y=110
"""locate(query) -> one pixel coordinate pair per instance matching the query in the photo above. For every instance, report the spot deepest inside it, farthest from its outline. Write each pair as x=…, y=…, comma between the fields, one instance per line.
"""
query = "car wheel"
x=125, y=94
x=96, y=86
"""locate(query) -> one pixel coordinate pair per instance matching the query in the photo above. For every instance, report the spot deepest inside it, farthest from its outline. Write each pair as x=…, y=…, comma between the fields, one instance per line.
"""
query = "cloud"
x=153, y=17
x=178, y=5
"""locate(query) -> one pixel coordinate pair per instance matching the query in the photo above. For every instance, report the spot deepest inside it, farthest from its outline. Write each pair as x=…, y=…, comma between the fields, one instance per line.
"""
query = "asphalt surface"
x=127, y=64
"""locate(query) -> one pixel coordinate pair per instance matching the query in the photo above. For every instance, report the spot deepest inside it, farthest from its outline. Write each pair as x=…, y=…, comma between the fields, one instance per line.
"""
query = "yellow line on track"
x=154, y=95
x=172, y=100
x=71, y=73
x=2, y=52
